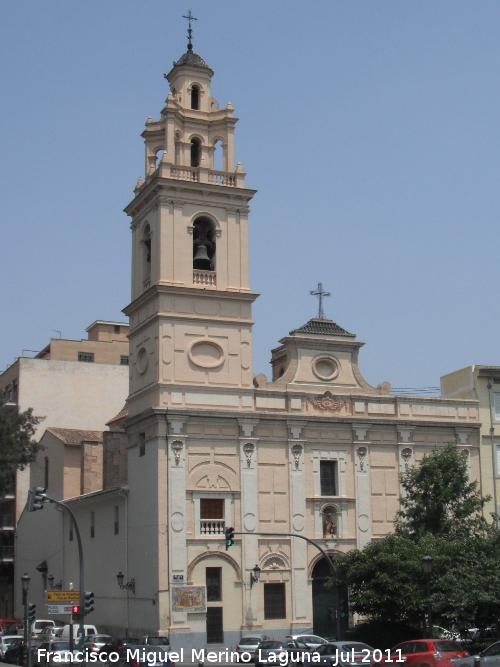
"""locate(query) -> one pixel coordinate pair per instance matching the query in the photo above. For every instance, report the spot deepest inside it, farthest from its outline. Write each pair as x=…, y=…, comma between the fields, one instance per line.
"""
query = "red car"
x=425, y=653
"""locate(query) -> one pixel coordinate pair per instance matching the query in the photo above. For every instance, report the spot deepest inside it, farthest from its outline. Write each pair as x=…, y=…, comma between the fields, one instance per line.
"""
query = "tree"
x=17, y=447
x=438, y=497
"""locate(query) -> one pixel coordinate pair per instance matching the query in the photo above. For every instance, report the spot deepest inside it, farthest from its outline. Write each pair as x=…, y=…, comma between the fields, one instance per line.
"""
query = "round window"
x=325, y=368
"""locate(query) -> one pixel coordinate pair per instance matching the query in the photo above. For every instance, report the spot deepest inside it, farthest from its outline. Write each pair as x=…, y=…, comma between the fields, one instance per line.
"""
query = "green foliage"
x=441, y=516
x=17, y=447
x=439, y=499
x=382, y=634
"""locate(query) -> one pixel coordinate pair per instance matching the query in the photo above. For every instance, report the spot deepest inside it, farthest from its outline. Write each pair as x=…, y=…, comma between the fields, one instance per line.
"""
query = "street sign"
x=62, y=596
x=59, y=608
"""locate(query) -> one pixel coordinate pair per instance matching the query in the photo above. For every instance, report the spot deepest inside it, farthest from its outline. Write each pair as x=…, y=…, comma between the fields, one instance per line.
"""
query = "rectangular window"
x=142, y=444
x=92, y=524
x=211, y=508
x=496, y=397
x=117, y=328
x=328, y=475
x=123, y=359
x=71, y=531
x=86, y=356
x=46, y=480
x=214, y=584
x=117, y=519
x=274, y=601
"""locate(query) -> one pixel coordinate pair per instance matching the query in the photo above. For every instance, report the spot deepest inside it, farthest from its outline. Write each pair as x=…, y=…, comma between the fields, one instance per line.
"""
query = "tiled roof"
x=322, y=327
x=192, y=59
x=121, y=415
x=74, y=436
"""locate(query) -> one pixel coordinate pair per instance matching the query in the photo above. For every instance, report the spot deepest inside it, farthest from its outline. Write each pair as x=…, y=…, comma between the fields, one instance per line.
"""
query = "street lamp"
x=254, y=575
x=52, y=585
x=427, y=569
x=25, y=580
x=130, y=586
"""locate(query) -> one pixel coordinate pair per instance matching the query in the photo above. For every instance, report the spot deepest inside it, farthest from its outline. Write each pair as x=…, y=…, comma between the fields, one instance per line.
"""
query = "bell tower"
x=190, y=314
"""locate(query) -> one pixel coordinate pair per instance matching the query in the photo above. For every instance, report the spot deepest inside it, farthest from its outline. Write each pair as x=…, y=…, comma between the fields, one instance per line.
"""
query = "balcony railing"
x=6, y=522
x=6, y=554
x=207, y=278
x=222, y=178
x=212, y=526
x=185, y=174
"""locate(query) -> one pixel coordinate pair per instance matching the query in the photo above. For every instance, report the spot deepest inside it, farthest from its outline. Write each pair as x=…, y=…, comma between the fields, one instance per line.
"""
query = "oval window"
x=325, y=368
x=142, y=360
x=206, y=354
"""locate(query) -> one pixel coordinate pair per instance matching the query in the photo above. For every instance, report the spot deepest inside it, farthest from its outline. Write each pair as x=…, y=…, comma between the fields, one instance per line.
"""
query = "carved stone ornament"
x=248, y=449
x=327, y=403
x=177, y=448
x=406, y=455
x=361, y=451
x=297, y=451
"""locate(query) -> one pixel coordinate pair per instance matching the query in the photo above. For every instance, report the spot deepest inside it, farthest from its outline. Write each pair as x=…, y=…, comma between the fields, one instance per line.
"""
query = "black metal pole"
x=429, y=606
x=328, y=560
x=25, y=603
x=80, y=556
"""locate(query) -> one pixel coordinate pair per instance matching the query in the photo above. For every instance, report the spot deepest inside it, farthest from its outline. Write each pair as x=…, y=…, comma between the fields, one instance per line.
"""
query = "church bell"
x=201, y=259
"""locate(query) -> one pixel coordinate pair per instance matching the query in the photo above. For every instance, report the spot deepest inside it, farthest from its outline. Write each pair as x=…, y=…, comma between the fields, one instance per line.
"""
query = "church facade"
x=315, y=451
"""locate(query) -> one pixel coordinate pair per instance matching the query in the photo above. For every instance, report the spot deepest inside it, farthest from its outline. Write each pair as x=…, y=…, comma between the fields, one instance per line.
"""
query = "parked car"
x=313, y=641
x=48, y=633
x=5, y=642
x=88, y=630
x=345, y=653
x=53, y=653
x=154, y=640
x=249, y=643
x=94, y=643
x=427, y=653
x=490, y=657
x=114, y=644
x=294, y=650
x=40, y=624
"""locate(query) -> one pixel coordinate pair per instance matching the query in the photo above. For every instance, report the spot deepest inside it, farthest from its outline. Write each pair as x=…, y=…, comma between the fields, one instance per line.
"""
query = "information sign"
x=63, y=596
x=59, y=608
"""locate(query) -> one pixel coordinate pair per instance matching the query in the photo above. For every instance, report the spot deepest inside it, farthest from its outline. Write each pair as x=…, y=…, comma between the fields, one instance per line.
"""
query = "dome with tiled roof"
x=191, y=59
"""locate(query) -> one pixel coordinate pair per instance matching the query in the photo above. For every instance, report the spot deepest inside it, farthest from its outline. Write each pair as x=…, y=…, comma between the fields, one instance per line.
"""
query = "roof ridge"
x=323, y=327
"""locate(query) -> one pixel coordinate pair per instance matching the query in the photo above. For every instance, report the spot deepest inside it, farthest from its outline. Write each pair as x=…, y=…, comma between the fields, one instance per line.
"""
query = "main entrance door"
x=323, y=601
x=215, y=633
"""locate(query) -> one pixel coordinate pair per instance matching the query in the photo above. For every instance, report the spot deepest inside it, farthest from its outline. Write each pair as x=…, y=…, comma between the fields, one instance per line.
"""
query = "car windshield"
x=250, y=641
x=60, y=646
x=494, y=649
x=357, y=646
x=447, y=647
x=158, y=641
x=43, y=624
x=326, y=649
x=271, y=645
x=9, y=640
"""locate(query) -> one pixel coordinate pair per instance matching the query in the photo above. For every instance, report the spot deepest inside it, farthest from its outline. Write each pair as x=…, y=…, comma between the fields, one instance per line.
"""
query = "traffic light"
x=229, y=537
x=31, y=612
x=344, y=608
x=36, y=498
x=75, y=611
x=89, y=602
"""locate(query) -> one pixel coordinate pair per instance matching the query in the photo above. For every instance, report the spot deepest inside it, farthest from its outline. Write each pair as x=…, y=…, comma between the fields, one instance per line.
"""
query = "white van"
x=40, y=624
x=88, y=629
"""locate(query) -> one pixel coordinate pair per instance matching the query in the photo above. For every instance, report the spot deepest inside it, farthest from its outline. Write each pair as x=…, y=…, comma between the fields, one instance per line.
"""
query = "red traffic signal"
x=75, y=609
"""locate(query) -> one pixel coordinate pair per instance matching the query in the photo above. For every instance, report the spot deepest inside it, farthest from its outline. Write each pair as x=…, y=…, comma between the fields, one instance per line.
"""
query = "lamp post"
x=427, y=569
x=254, y=575
x=129, y=586
x=25, y=579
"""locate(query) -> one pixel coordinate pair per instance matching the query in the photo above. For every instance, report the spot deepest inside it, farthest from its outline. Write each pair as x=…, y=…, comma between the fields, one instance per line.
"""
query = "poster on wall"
x=189, y=598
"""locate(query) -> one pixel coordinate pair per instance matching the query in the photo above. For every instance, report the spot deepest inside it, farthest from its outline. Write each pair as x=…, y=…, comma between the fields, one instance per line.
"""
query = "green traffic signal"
x=229, y=537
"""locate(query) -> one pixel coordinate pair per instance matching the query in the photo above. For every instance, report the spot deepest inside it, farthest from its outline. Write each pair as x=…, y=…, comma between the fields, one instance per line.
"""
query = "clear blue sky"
x=370, y=130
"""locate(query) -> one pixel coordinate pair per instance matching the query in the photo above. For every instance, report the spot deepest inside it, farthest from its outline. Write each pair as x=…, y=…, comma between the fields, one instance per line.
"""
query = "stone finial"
x=260, y=380
x=139, y=183
x=229, y=107
x=239, y=168
x=149, y=120
x=384, y=388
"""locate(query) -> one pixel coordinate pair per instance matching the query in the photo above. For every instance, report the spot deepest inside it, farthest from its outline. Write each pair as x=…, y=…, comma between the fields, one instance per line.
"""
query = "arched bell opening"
x=218, y=159
x=146, y=255
x=195, y=97
x=204, y=244
x=195, y=152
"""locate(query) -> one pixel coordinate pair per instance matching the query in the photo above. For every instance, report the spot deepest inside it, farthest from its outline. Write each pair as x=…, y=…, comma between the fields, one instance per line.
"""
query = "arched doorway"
x=324, y=603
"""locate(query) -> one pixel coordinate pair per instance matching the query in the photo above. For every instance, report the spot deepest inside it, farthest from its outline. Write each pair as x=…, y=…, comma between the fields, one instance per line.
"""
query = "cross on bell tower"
x=321, y=295
x=190, y=18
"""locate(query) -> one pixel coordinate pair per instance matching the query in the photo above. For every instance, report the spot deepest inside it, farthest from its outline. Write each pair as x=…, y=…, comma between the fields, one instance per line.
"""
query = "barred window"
x=214, y=584
x=123, y=359
x=328, y=475
x=86, y=356
x=274, y=601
